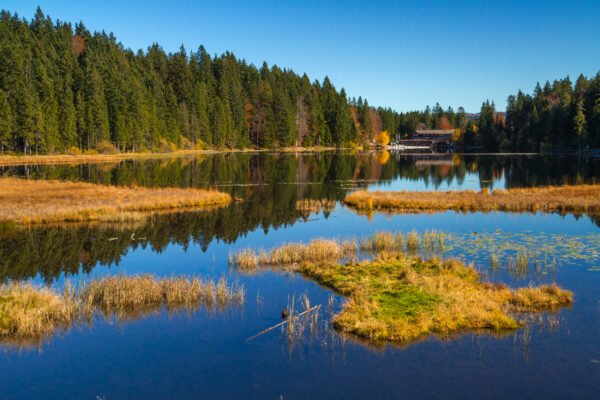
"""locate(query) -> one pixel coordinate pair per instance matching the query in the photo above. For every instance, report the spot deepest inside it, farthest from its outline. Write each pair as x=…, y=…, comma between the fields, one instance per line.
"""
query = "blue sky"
x=405, y=55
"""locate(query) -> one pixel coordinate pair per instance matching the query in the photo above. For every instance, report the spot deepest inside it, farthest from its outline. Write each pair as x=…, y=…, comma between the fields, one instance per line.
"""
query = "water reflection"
x=277, y=189
x=326, y=174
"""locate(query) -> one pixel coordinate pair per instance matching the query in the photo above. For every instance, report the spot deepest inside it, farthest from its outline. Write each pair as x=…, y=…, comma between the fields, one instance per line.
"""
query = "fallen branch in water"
x=282, y=323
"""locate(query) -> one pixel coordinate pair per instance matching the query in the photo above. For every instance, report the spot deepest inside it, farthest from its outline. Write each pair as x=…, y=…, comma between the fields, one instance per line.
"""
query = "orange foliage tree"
x=444, y=123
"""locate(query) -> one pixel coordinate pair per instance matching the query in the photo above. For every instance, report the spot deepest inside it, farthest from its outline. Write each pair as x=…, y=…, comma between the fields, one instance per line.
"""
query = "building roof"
x=434, y=131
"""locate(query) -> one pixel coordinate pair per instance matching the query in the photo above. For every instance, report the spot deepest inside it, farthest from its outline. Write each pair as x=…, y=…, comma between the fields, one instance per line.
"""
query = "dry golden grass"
x=6, y=160
x=128, y=296
x=291, y=255
x=401, y=299
x=576, y=198
x=398, y=296
x=29, y=313
x=30, y=201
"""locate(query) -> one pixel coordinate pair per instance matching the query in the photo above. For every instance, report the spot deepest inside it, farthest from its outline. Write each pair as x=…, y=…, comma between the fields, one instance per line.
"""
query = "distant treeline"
x=65, y=89
x=556, y=117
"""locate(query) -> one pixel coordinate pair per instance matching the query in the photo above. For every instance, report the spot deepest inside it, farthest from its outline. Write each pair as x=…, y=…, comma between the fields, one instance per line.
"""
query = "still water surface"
x=205, y=354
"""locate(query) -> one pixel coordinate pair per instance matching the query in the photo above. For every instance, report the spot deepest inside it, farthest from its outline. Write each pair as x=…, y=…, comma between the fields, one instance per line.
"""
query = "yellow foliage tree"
x=382, y=138
x=457, y=135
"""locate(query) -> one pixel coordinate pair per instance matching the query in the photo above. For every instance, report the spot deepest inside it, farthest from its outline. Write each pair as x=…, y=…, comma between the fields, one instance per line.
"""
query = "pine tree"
x=579, y=123
x=6, y=122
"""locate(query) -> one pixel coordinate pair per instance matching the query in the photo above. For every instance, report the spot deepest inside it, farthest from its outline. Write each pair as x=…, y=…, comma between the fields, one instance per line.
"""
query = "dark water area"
x=289, y=197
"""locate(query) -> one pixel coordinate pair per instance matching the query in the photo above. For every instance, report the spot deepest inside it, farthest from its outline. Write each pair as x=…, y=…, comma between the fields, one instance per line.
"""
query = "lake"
x=285, y=197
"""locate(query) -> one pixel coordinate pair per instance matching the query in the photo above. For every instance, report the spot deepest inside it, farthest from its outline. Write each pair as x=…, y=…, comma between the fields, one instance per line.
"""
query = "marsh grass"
x=30, y=313
x=27, y=201
x=403, y=298
x=290, y=256
x=575, y=198
x=399, y=296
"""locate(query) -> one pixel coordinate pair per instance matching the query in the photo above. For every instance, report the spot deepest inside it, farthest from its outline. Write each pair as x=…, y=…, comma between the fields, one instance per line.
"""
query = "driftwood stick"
x=281, y=323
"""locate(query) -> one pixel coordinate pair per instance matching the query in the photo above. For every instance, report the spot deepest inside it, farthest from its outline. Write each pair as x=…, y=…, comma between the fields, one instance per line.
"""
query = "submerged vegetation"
x=398, y=296
x=29, y=313
x=29, y=201
x=575, y=198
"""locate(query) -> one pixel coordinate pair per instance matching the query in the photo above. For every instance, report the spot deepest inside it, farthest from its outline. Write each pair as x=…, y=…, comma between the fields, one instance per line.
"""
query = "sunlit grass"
x=31, y=201
x=403, y=298
x=576, y=198
x=31, y=313
x=321, y=250
x=400, y=297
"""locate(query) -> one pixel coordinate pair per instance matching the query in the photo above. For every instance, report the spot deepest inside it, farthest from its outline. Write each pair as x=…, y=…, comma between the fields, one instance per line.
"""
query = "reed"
x=290, y=256
x=28, y=201
x=29, y=312
x=575, y=198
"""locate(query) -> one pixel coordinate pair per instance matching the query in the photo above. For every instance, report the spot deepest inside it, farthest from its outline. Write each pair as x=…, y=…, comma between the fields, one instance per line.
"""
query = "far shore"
x=33, y=159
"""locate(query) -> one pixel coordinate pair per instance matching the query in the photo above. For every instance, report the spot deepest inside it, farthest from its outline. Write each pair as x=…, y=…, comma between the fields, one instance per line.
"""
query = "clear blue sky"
x=400, y=54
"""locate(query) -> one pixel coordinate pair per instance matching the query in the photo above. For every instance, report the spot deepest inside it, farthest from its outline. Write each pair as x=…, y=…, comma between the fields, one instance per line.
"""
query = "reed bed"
x=290, y=256
x=29, y=201
x=429, y=241
x=32, y=313
x=575, y=198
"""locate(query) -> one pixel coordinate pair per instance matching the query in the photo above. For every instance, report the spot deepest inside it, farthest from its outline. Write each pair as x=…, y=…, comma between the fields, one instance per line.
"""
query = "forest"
x=64, y=89
x=557, y=117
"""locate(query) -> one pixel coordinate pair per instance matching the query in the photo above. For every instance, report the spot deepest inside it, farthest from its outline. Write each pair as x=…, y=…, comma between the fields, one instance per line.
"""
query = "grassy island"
x=30, y=201
x=399, y=297
x=575, y=198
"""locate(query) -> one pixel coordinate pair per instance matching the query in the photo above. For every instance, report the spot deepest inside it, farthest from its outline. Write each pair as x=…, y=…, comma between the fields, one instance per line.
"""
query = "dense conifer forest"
x=66, y=89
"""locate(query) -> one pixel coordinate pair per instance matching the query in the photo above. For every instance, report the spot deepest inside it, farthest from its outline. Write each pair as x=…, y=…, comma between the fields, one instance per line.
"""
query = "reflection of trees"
x=52, y=250
x=327, y=168
x=270, y=185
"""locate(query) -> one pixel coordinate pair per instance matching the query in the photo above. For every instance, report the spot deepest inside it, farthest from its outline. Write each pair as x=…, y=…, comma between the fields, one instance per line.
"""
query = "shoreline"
x=15, y=160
